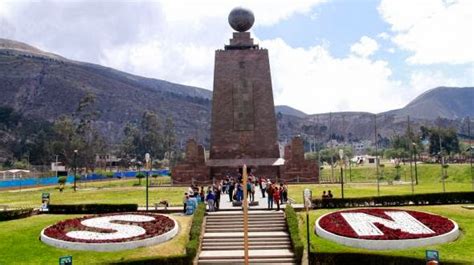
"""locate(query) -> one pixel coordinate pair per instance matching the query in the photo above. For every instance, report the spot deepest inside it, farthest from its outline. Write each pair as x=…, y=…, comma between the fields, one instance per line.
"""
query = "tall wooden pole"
x=470, y=149
x=411, y=154
x=246, y=220
x=376, y=155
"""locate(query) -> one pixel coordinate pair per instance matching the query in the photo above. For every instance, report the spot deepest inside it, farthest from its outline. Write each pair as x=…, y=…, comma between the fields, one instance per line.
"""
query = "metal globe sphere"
x=241, y=19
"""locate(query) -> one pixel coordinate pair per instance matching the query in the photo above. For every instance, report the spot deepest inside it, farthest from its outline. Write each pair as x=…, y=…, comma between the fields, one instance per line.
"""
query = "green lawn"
x=19, y=244
x=127, y=191
x=364, y=182
x=460, y=250
x=121, y=191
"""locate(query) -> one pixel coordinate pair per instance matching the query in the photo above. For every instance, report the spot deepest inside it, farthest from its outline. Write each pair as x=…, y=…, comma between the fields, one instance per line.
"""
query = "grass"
x=457, y=251
x=121, y=191
x=20, y=245
x=364, y=182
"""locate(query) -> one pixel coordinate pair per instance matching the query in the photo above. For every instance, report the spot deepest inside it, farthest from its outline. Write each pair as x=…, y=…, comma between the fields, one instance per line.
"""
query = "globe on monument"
x=241, y=19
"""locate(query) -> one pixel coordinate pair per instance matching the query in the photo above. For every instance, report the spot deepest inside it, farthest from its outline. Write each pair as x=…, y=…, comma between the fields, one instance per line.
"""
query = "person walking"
x=217, y=198
x=210, y=201
x=231, y=190
x=185, y=199
x=277, y=197
x=270, y=194
x=263, y=186
x=284, y=193
x=252, y=191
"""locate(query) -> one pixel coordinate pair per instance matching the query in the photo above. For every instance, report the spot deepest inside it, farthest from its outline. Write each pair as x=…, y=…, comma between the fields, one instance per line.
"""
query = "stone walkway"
x=225, y=204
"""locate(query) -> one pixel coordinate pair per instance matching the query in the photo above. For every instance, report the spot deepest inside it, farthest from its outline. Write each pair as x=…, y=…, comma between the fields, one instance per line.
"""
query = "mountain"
x=43, y=86
x=445, y=102
x=287, y=110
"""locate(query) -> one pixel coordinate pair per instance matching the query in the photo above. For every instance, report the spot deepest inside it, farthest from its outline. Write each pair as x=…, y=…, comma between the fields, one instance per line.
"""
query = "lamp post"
x=75, y=168
x=416, y=169
x=341, y=156
x=147, y=166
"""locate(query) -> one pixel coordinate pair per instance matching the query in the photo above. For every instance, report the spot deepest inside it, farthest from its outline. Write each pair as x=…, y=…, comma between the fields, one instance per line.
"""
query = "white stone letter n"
x=363, y=224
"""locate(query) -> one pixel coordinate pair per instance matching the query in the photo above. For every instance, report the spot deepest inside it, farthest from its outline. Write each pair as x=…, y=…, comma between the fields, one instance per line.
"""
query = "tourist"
x=263, y=186
x=325, y=196
x=210, y=201
x=202, y=194
x=252, y=191
x=249, y=190
x=231, y=190
x=324, y=199
x=276, y=197
x=284, y=193
x=270, y=194
x=217, y=198
x=240, y=192
x=330, y=194
x=185, y=199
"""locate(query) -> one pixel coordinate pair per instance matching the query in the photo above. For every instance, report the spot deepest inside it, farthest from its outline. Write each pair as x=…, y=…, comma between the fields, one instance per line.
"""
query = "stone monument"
x=244, y=126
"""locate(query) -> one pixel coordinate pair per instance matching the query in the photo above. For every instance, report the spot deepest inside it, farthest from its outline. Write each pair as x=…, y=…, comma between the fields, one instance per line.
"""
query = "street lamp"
x=147, y=160
x=75, y=168
x=341, y=156
x=416, y=170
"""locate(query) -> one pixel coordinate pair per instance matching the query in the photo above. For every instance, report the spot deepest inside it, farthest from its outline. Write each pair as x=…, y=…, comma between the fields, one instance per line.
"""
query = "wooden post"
x=245, y=209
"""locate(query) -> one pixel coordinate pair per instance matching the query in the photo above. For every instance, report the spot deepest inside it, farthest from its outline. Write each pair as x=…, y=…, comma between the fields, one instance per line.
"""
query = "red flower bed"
x=160, y=225
x=336, y=224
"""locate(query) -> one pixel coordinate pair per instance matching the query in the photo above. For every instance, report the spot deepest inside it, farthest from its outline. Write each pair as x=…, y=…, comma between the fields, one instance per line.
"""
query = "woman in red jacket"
x=276, y=197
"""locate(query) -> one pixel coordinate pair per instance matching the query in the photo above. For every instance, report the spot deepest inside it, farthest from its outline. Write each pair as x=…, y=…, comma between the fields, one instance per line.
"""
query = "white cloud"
x=314, y=81
x=422, y=80
x=435, y=31
x=383, y=36
x=171, y=40
x=365, y=47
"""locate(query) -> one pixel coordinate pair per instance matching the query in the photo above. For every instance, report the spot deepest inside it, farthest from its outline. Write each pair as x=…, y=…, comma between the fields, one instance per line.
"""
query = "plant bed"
x=111, y=232
x=381, y=229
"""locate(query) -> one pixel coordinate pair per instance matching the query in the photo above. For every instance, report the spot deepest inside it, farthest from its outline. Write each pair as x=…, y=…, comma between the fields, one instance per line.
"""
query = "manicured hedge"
x=91, y=208
x=195, y=234
x=397, y=200
x=293, y=228
x=192, y=246
x=16, y=214
x=364, y=258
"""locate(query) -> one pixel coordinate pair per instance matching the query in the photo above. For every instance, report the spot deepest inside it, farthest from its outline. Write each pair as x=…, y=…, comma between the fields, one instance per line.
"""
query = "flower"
x=159, y=224
x=337, y=224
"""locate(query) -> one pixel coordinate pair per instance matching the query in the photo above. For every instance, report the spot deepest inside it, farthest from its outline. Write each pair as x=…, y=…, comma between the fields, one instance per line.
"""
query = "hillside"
x=43, y=86
x=445, y=102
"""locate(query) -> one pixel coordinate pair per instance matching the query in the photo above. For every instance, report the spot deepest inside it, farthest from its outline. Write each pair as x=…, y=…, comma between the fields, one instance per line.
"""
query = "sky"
x=325, y=55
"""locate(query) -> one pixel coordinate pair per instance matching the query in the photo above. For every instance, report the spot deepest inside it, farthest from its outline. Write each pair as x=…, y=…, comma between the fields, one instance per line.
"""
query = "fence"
x=43, y=181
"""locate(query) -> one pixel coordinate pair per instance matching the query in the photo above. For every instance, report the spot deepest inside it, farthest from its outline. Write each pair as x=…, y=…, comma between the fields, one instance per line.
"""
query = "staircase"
x=269, y=241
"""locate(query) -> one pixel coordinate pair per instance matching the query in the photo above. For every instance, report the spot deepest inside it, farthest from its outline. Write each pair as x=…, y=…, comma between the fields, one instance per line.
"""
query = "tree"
x=169, y=139
x=449, y=140
x=148, y=137
x=77, y=132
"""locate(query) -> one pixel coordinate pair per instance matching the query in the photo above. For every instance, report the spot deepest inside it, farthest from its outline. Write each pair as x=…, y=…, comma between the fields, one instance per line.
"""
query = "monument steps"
x=268, y=239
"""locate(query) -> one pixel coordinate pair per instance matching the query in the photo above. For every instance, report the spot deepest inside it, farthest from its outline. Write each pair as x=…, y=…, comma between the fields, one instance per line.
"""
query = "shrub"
x=293, y=228
x=16, y=214
x=195, y=232
x=364, y=258
x=398, y=200
x=140, y=176
x=62, y=180
x=91, y=208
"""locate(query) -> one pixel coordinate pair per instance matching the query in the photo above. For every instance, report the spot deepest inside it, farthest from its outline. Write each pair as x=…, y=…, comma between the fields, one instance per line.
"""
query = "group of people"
x=234, y=188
